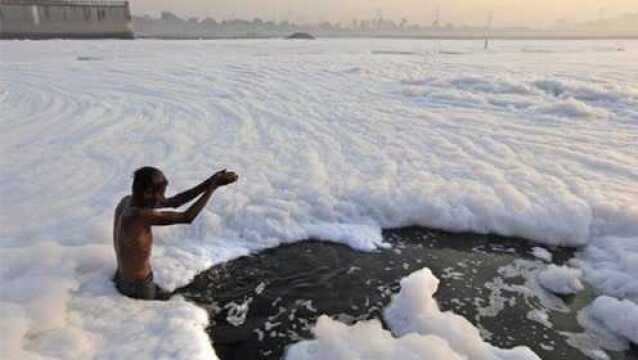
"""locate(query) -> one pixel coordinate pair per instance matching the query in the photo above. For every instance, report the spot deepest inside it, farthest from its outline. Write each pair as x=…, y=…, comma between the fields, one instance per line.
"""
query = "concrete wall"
x=64, y=19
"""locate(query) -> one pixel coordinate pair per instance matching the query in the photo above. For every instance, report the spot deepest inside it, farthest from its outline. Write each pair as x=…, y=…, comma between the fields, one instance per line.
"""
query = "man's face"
x=154, y=196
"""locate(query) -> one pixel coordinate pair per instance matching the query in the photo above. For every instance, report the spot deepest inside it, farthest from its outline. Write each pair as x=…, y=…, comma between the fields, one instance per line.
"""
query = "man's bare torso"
x=136, y=214
x=133, y=241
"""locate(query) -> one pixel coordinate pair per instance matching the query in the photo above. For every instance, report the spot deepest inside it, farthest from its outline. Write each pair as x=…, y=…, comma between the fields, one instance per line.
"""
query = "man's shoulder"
x=124, y=208
x=125, y=200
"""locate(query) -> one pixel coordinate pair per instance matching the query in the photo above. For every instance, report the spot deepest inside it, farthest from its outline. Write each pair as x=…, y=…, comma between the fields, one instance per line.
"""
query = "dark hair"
x=148, y=177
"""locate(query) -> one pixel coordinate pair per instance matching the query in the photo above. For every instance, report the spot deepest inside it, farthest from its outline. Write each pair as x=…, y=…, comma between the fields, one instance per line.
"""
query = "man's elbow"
x=187, y=218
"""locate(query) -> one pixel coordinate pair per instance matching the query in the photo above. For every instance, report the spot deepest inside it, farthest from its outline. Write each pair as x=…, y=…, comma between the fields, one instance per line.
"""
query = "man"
x=137, y=213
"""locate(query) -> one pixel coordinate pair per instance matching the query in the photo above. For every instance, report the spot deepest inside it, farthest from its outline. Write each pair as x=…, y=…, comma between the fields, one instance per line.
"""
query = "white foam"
x=542, y=254
x=367, y=340
x=596, y=337
x=545, y=150
x=561, y=279
x=619, y=316
x=60, y=303
x=419, y=329
x=572, y=109
x=611, y=264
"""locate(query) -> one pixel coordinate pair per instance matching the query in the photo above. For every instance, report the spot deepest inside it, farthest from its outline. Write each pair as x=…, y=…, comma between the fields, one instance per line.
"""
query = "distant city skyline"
x=538, y=13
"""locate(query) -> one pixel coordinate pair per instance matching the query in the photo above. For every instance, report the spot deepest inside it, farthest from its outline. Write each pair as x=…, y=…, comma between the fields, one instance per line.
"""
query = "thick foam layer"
x=59, y=302
x=330, y=141
x=621, y=317
x=611, y=264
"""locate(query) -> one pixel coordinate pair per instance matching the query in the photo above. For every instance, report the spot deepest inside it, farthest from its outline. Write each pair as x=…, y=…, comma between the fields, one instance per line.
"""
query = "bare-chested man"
x=136, y=213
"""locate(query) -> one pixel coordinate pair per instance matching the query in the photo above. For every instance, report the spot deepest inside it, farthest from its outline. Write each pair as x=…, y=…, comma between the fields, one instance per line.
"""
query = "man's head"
x=149, y=186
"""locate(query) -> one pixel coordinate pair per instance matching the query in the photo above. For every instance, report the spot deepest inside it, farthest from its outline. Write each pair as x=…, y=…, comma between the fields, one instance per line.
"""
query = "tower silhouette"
x=437, y=17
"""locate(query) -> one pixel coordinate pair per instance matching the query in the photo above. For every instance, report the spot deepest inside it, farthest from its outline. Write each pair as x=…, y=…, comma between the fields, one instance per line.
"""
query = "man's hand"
x=222, y=178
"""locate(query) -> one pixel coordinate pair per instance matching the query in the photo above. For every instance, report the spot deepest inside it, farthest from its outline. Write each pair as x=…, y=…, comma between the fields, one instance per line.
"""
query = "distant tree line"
x=170, y=25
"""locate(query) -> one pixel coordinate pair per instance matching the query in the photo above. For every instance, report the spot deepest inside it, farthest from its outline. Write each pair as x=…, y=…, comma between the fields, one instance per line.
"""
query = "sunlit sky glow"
x=470, y=12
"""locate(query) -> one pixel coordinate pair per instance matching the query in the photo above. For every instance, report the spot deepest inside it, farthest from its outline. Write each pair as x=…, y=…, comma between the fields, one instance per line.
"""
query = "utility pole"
x=601, y=14
x=379, y=19
x=490, y=17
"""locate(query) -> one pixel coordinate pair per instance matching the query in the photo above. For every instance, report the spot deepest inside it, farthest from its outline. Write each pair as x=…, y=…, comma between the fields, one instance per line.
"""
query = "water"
x=288, y=287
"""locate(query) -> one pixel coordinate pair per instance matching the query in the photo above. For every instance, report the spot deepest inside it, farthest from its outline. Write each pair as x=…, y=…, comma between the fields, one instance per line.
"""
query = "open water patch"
x=260, y=304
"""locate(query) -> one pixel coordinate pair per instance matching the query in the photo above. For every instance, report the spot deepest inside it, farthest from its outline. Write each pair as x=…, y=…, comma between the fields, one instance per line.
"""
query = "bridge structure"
x=72, y=19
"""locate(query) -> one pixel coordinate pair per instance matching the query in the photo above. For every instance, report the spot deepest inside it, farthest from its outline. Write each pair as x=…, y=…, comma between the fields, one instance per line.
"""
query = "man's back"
x=133, y=241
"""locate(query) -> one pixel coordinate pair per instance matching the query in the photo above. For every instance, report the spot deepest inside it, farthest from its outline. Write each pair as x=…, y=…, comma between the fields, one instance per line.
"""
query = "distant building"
x=45, y=19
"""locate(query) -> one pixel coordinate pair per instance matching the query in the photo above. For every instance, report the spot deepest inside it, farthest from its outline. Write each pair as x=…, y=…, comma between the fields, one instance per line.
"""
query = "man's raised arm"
x=186, y=196
x=160, y=218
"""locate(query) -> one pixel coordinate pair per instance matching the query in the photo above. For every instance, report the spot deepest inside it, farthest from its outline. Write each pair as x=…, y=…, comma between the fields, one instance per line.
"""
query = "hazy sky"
x=472, y=12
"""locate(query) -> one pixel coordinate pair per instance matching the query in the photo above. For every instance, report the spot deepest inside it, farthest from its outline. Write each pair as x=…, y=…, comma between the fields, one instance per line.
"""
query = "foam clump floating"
x=561, y=279
x=418, y=330
x=618, y=316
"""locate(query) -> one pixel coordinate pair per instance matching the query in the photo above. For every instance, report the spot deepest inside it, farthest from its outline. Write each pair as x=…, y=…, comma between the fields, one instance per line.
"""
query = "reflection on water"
x=260, y=304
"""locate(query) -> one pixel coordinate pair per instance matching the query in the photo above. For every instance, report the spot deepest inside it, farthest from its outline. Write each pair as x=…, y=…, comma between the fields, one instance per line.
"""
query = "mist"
x=539, y=13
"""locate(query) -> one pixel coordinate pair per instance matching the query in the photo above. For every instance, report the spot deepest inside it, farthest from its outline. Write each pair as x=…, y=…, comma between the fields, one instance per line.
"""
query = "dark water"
x=285, y=289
